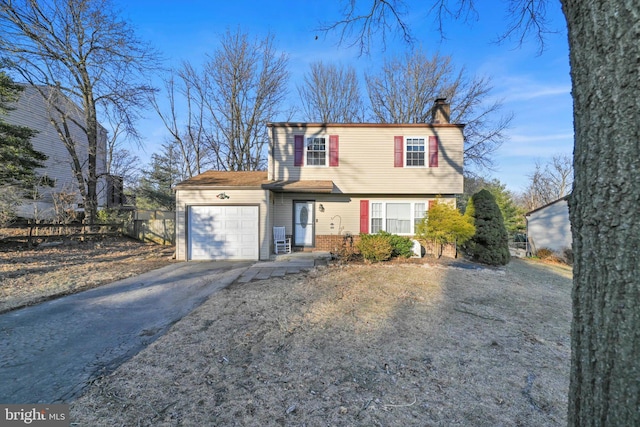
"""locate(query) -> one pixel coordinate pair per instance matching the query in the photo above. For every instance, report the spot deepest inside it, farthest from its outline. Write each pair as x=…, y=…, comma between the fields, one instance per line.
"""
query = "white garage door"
x=223, y=232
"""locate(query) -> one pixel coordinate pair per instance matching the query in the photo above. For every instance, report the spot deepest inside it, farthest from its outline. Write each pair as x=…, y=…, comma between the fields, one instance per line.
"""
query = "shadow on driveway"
x=52, y=351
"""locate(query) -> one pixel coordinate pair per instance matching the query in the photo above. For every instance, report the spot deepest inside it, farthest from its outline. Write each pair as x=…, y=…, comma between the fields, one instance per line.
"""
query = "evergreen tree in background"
x=18, y=158
x=489, y=245
x=155, y=190
x=512, y=213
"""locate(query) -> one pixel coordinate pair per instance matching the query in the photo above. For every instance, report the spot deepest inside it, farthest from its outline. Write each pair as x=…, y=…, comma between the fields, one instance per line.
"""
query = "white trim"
x=412, y=220
x=425, y=139
x=326, y=150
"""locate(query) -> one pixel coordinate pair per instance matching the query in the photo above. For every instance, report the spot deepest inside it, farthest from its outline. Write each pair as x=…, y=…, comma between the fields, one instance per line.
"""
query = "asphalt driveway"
x=50, y=352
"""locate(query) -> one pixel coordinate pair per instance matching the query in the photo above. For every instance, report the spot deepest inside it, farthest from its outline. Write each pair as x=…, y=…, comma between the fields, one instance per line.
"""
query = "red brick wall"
x=334, y=243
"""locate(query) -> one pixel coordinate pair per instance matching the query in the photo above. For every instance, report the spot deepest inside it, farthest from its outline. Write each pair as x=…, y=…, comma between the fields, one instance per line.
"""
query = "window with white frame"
x=396, y=217
x=376, y=217
x=415, y=151
x=316, y=151
x=419, y=210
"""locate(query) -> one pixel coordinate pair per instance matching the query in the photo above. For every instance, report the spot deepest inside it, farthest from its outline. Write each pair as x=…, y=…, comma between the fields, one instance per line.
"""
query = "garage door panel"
x=232, y=225
x=223, y=232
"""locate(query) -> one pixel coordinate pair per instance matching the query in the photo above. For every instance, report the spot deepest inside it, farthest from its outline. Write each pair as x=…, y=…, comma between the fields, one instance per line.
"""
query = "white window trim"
x=426, y=152
x=326, y=151
x=412, y=221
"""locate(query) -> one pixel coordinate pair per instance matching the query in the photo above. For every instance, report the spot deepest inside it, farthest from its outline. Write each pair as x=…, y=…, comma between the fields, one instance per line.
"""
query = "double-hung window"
x=419, y=209
x=376, y=217
x=415, y=151
x=316, y=151
x=396, y=217
x=415, y=148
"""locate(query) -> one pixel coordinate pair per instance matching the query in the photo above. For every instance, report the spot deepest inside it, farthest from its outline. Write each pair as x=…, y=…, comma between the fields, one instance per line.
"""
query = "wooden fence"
x=147, y=226
x=35, y=233
x=160, y=231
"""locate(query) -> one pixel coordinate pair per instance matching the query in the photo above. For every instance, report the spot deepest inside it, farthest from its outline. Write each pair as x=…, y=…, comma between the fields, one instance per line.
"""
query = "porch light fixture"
x=222, y=196
x=321, y=208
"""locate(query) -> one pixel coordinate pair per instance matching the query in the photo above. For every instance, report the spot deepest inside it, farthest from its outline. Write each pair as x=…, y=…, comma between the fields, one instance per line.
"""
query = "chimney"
x=441, y=111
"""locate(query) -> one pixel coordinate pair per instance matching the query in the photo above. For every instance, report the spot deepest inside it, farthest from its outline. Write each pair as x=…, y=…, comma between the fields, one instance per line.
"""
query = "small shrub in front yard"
x=375, y=247
x=547, y=254
x=401, y=246
x=444, y=224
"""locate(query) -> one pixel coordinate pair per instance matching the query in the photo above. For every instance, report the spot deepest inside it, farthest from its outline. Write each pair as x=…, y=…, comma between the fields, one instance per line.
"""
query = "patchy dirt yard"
x=357, y=345
x=29, y=276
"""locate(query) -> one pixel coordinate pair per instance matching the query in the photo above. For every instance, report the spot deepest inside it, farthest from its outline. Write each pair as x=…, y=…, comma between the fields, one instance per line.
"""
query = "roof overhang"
x=299, y=186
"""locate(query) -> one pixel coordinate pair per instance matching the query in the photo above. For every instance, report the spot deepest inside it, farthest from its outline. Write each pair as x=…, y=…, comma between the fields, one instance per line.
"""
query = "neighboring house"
x=549, y=227
x=32, y=111
x=325, y=182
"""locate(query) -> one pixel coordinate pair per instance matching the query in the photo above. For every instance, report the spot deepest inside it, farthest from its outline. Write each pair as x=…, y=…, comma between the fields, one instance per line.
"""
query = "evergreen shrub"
x=489, y=245
x=375, y=247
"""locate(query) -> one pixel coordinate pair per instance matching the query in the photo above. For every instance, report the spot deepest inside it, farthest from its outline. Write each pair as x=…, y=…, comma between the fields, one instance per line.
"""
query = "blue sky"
x=535, y=87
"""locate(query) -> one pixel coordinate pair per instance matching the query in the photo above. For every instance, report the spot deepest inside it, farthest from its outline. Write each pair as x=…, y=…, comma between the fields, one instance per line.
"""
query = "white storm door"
x=303, y=218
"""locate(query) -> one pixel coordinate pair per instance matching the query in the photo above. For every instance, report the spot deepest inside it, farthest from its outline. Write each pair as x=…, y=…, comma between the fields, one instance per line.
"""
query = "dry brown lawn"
x=356, y=345
x=29, y=276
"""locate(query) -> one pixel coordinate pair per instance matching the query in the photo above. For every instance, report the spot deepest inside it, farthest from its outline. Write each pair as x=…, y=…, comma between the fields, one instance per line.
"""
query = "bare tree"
x=244, y=86
x=120, y=161
x=604, y=54
x=362, y=25
x=185, y=85
x=549, y=182
x=125, y=164
x=404, y=94
x=83, y=59
x=331, y=94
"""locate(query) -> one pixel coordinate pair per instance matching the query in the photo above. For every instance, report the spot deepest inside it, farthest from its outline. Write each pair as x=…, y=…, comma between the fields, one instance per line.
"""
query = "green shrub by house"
x=444, y=224
x=489, y=245
x=375, y=247
x=401, y=246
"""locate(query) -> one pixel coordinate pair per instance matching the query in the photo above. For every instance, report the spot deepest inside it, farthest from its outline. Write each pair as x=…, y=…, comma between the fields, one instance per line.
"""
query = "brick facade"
x=335, y=243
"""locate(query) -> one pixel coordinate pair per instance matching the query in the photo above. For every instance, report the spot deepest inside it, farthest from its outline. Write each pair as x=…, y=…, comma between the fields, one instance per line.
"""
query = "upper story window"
x=415, y=148
x=316, y=151
x=415, y=151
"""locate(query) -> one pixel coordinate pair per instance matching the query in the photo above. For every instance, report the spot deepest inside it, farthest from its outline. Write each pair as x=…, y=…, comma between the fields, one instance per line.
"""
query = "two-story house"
x=324, y=182
x=33, y=111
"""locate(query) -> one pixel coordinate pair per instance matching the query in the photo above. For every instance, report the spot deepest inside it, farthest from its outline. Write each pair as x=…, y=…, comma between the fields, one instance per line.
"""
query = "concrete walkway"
x=50, y=352
x=279, y=265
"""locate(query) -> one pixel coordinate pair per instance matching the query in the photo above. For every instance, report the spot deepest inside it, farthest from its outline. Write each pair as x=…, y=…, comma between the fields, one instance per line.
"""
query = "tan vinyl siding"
x=366, y=159
x=346, y=208
x=192, y=197
x=340, y=210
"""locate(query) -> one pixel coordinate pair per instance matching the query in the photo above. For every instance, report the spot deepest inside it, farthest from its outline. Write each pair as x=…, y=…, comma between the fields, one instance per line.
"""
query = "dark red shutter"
x=433, y=151
x=298, y=159
x=398, y=151
x=364, y=216
x=334, y=148
x=431, y=203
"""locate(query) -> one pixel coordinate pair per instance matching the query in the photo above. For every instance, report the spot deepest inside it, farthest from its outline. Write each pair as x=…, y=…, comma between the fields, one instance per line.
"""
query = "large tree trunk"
x=605, y=212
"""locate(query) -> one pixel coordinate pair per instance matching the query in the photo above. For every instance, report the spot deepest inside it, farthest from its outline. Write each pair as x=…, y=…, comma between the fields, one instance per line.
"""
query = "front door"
x=303, y=223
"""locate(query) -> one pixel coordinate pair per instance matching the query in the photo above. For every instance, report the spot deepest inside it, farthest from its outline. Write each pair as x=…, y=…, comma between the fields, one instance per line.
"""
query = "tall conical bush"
x=490, y=243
